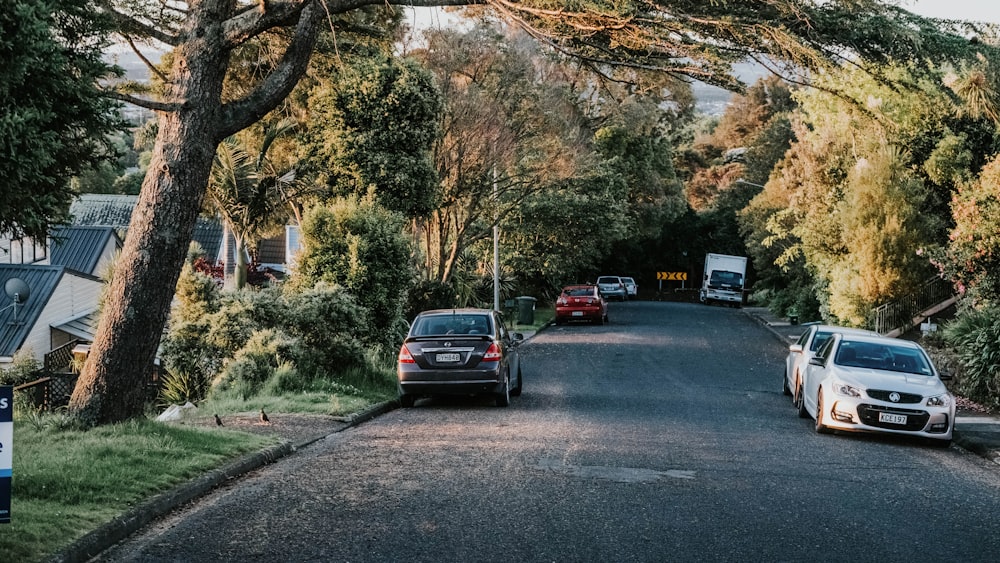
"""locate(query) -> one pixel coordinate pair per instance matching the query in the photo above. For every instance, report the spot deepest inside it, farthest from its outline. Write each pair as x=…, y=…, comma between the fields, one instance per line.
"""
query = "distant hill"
x=134, y=68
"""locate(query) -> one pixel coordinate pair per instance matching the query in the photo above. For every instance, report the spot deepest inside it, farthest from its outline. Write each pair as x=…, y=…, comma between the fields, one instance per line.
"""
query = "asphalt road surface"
x=662, y=436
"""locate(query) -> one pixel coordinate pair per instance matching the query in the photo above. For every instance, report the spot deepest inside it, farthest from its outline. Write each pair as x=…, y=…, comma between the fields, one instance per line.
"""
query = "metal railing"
x=899, y=314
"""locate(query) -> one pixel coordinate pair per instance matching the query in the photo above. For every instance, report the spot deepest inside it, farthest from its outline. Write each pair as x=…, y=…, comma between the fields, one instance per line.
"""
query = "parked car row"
x=856, y=380
x=617, y=287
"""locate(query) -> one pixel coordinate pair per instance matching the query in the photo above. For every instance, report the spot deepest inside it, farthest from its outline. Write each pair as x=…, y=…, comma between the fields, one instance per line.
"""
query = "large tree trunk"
x=112, y=386
x=142, y=287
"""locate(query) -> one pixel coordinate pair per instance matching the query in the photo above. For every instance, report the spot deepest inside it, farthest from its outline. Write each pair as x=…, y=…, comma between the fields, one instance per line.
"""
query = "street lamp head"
x=742, y=181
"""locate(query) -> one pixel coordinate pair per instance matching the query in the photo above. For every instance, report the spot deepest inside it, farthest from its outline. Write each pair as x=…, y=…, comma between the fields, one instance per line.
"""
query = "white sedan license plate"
x=448, y=357
x=892, y=418
x=577, y=313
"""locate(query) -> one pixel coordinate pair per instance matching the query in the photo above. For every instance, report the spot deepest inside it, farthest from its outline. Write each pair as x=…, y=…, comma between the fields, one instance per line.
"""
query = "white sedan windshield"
x=882, y=356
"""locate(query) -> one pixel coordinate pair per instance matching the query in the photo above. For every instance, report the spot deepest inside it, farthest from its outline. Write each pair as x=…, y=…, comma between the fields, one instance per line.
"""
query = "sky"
x=981, y=10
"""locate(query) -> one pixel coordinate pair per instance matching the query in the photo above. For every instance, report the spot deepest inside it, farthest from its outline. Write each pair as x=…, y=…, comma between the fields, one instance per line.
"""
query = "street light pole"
x=496, y=244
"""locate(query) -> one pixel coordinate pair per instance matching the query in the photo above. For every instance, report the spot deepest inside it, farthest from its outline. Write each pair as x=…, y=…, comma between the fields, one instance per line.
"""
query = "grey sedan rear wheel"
x=516, y=391
x=503, y=398
x=406, y=401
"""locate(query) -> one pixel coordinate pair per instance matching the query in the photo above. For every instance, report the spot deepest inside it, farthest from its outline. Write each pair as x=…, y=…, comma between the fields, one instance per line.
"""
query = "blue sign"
x=6, y=449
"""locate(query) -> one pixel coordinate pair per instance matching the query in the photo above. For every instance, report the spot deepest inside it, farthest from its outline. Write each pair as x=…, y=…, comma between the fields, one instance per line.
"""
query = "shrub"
x=429, y=294
x=975, y=337
x=23, y=369
x=181, y=387
x=257, y=361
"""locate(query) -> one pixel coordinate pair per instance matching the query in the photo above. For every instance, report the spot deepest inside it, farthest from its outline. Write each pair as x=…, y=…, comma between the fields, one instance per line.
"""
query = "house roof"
x=112, y=210
x=16, y=322
x=82, y=326
x=80, y=248
x=105, y=210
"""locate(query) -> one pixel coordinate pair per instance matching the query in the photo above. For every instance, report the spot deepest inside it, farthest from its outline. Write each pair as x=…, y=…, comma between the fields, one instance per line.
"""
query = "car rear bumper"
x=579, y=313
x=450, y=382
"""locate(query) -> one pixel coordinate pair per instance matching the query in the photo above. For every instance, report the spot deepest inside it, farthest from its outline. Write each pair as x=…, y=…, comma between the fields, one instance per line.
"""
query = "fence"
x=56, y=381
x=899, y=314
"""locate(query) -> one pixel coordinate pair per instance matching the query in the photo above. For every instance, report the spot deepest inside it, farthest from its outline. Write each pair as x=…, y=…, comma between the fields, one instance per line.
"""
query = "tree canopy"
x=53, y=121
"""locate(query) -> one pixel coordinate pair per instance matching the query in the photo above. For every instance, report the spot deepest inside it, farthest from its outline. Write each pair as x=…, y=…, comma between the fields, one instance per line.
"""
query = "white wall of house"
x=108, y=255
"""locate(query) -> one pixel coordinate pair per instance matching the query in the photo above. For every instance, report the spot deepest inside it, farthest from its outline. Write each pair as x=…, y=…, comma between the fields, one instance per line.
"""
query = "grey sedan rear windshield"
x=451, y=324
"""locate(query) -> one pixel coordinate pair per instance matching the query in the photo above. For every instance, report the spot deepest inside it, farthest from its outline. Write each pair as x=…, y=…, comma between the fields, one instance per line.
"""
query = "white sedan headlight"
x=939, y=401
x=846, y=390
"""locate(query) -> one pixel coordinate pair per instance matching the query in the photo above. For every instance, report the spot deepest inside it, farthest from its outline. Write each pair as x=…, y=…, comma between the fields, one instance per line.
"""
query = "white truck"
x=724, y=279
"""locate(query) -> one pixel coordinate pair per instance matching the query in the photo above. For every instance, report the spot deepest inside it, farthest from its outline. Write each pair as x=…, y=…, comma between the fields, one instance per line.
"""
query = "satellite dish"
x=17, y=290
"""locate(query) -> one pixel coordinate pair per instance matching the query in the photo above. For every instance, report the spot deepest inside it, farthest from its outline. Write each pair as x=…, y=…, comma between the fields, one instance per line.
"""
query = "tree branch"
x=242, y=113
x=142, y=102
x=127, y=26
x=149, y=64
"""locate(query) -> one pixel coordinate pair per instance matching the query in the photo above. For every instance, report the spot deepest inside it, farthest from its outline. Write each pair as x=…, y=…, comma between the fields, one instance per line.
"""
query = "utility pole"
x=496, y=244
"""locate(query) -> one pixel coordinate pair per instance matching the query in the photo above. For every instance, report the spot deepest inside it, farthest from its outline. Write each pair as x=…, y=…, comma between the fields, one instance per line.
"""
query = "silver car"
x=877, y=384
x=803, y=350
x=612, y=287
x=631, y=288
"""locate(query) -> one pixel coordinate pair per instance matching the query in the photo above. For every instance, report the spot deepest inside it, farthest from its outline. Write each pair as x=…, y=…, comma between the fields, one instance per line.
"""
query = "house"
x=56, y=296
x=90, y=250
x=216, y=241
x=115, y=211
x=63, y=275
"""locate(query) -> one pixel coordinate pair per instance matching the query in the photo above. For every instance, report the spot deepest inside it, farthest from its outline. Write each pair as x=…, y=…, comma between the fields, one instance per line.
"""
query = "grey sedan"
x=459, y=352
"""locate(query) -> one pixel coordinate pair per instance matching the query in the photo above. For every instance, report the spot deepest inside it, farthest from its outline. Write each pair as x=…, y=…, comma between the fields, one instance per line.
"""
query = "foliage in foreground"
x=68, y=482
x=974, y=336
x=268, y=341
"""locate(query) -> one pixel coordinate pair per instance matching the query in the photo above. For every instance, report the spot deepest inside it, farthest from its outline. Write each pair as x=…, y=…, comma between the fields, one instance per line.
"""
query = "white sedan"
x=877, y=384
x=803, y=350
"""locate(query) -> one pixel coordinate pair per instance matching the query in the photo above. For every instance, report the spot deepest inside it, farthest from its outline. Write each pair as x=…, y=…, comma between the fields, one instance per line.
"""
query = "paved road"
x=662, y=436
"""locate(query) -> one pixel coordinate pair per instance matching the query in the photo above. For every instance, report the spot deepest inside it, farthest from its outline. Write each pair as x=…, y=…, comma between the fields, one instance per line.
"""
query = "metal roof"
x=16, y=321
x=113, y=210
x=80, y=248
x=105, y=210
x=82, y=326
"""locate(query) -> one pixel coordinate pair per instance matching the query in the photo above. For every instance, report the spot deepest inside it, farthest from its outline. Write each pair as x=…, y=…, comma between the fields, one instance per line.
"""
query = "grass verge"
x=68, y=482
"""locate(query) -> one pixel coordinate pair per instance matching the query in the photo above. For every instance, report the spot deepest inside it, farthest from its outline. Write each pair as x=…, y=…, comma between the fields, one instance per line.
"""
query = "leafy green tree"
x=510, y=128
x=855, y=205
x=972, y=256
x=54, y=123
x=560, y=235
x=698, y=40
x=356, y=244
x=248, y=191
x=373, y=130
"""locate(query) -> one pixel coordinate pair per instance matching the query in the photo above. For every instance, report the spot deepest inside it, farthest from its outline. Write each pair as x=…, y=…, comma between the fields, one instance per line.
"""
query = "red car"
x=581, y=303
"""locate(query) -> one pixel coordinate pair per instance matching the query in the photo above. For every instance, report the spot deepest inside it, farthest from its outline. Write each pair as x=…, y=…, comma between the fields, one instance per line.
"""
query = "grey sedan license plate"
x=448, y=357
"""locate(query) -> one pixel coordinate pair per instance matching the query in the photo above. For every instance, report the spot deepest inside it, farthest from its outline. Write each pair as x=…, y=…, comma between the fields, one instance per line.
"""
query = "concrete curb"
x=781, y=337
x=93, y=543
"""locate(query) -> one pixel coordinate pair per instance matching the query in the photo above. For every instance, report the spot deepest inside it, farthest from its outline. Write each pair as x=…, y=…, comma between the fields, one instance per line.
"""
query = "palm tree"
x=247, y=192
